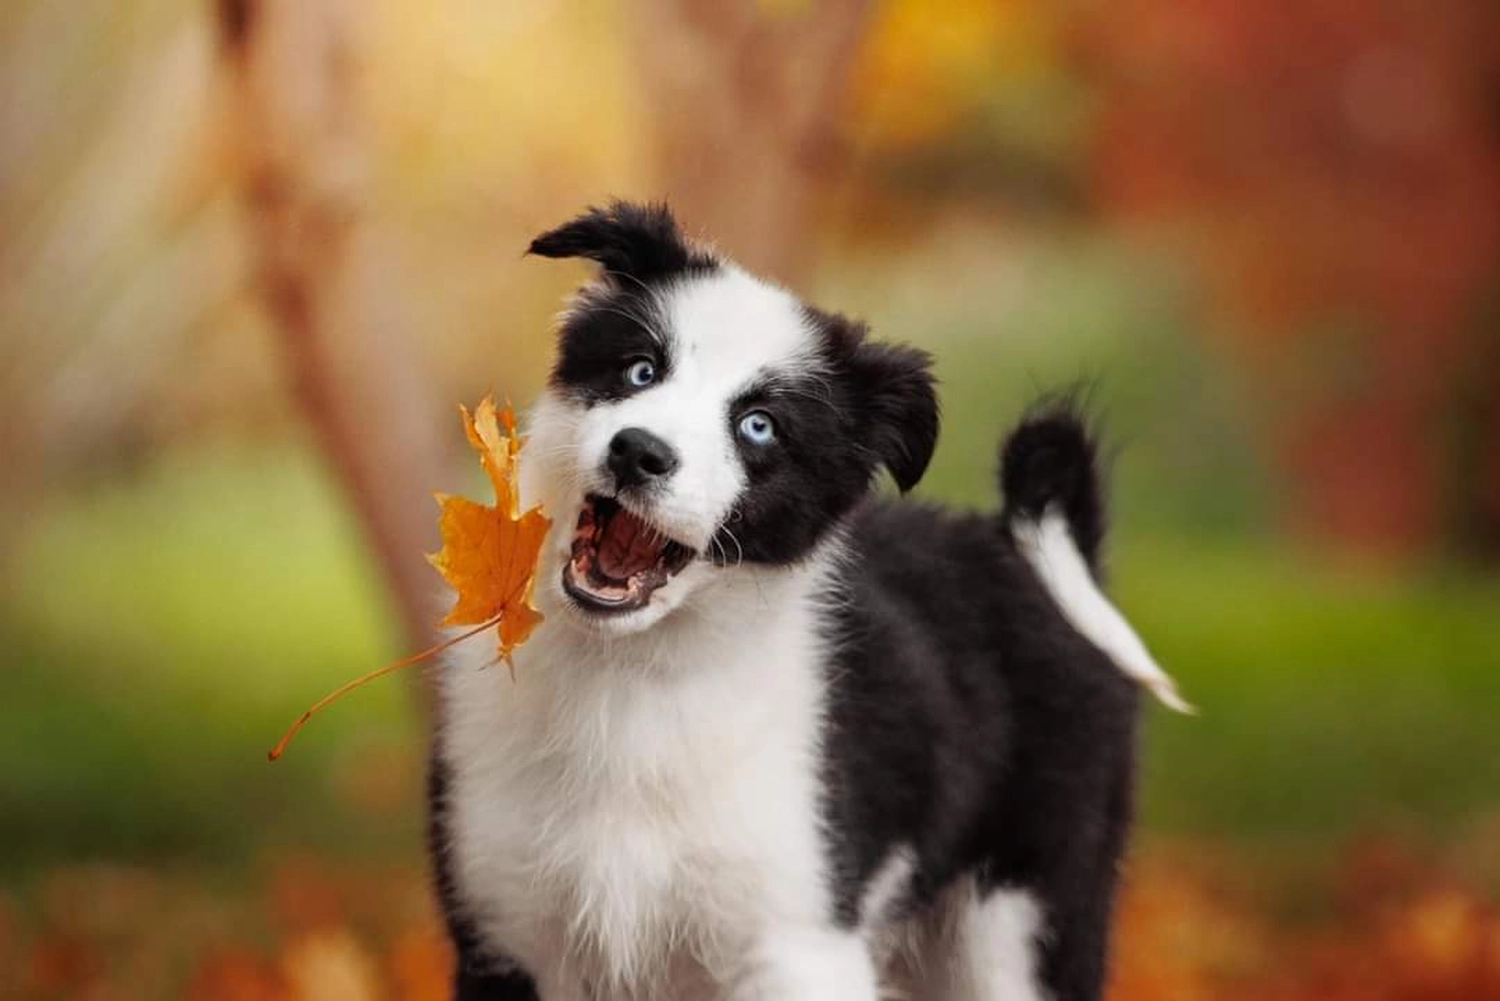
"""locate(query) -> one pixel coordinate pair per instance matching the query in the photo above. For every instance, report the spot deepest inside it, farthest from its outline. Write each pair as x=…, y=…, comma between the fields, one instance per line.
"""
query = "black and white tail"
x=1054, y=509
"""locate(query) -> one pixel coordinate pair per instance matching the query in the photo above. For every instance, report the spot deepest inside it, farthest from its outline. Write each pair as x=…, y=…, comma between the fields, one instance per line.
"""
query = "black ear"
x=893, y=385
x=627, y=239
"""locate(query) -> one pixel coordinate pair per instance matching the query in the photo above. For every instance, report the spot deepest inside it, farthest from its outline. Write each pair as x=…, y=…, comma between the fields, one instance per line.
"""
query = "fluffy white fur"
x=623, y=803
x=887, y=888
x=639, y=809
x=994, y=948
x=1048, y=546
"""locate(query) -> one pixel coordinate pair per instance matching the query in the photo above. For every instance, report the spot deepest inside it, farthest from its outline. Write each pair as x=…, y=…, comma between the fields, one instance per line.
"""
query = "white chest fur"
x=628, y=814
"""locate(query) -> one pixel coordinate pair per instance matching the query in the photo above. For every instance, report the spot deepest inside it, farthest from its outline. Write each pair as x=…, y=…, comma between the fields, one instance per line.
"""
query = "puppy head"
x=699, y=421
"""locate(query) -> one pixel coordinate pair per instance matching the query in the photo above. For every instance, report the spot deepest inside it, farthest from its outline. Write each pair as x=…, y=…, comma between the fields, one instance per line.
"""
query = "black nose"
x=636, y=457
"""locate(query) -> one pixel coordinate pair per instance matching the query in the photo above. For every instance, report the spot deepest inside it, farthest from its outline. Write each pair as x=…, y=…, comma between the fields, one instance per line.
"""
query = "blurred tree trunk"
x=303, y=166
x=745, y=97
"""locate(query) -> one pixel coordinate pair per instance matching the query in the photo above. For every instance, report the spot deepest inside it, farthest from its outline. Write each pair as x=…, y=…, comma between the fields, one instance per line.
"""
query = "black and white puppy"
x=777, y=739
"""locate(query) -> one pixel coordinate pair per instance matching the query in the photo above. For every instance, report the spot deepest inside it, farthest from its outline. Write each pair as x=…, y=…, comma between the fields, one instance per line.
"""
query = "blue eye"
x=640, y=372
x=757, y=428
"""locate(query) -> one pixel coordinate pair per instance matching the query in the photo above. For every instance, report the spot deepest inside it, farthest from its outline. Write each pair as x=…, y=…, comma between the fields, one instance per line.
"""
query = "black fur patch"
x=605, y=332
x=971, y=722
x=892, y=387
x=1050, y=458
x=639, y=247
x=798, y=487
x=640, y=243
x=868, y=405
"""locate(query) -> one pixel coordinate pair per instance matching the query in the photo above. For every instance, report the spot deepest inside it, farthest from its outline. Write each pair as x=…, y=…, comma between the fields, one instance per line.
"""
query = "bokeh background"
x=253, y=252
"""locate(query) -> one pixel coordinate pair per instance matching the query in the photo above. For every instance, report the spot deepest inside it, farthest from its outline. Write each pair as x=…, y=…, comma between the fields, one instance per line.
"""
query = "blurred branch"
x=293, y=66
x=749, y=99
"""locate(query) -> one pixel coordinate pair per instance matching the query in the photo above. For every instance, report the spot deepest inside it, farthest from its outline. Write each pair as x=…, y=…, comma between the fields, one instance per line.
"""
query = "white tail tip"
x=1048, y=546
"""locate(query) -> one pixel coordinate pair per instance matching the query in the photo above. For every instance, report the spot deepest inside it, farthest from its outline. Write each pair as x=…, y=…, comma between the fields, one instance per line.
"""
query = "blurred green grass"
x=170, y=629
x=1331, y=702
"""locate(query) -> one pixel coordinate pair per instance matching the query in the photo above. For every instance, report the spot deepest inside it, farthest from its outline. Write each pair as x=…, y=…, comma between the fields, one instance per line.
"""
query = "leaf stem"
x=380, y=672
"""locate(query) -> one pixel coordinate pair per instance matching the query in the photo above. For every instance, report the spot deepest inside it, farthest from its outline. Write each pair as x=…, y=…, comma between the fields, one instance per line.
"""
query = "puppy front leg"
x=809, y=964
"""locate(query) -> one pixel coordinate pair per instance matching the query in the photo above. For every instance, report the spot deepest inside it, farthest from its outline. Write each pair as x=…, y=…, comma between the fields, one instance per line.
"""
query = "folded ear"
x=639, y=241
x=894, y=387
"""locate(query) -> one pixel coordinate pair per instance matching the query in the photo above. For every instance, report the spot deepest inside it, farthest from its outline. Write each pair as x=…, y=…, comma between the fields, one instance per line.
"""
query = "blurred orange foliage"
x=919, y=78
x=1397, y=929
x=1334, y=172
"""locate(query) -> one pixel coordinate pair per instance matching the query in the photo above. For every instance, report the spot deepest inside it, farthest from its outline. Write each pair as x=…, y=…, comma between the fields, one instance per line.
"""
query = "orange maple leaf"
x=489, y=555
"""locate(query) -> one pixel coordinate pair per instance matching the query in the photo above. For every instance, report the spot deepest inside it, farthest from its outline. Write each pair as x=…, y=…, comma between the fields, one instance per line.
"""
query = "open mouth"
x=618, y=560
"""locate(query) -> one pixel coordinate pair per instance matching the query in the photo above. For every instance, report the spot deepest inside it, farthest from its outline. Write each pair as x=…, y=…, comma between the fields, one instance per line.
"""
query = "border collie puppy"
x=778, y=739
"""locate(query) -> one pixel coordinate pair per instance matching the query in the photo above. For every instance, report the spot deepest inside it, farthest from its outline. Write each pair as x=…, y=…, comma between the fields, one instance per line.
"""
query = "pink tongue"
x=627, y=547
